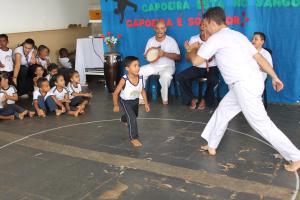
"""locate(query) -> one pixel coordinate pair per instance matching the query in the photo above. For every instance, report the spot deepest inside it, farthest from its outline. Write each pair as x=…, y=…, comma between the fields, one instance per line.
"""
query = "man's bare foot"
x=58, y=112
x=22, y=115
x=31, y=114
x=165, y=103
x=193, y=104
x=141, y=102
x=210, y=151
x=202, y=105
x=293, y=167
x=136, y=143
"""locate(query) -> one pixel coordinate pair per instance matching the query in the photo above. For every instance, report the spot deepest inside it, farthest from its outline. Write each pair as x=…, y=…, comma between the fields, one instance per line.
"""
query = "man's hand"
x=277, y=84
x=116, y=109
x=161, y=53
x=1, y=65
x=147, y=107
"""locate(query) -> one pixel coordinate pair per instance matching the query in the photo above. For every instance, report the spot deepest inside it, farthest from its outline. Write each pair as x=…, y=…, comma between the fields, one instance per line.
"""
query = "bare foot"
x=293, y=167
x=136, y=143
x=31, y=114
x=210, y=151
x=202, y=105
x=58, y=112
x=193, y=104
x=165, y=103
x=11, y=117
x=22, y=115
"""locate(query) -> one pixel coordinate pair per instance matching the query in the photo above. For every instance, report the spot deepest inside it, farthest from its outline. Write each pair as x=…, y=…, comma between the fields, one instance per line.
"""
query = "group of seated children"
x=58, y=99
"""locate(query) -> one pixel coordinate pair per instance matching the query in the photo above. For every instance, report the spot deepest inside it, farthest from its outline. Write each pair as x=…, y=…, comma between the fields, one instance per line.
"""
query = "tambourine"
x=152, y=54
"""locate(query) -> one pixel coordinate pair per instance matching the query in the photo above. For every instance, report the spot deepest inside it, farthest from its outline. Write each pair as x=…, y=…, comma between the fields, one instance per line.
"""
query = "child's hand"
x=1, y=65
x=116, y=109
x=147, y=107
x=41, y=113
x=63, y=109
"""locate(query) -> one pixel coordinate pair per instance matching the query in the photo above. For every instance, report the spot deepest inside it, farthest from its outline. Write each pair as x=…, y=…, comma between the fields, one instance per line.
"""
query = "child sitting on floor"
x=43, y=56
x=78, y=98
x=11, y=96
x=38, y=73
x=131, y=86
x=61, y=95
x=52, y=70
x=66, y=59
x=42, y=99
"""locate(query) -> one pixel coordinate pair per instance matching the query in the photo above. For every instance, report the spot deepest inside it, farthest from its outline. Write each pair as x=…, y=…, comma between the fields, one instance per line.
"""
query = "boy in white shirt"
x=6, y=60
x=239, y=63
x=258, y=41
x=165, y=66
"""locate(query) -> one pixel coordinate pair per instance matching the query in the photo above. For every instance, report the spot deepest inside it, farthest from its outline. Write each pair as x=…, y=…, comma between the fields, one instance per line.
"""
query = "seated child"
x=43, y=56
x=11, y=98
x=66, y=59
x=131, y=86
x=39, y=72
x=5, y=113
x=78, y=98
x=61, y=95
x=52, y=70
x=6, y=61
x=42, y=99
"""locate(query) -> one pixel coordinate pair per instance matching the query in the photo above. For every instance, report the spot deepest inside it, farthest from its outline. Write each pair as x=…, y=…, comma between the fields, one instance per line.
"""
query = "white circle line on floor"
x=161, y=119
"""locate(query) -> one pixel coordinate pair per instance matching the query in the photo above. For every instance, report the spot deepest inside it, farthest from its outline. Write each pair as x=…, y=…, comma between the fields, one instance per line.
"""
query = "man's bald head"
x=160, y=29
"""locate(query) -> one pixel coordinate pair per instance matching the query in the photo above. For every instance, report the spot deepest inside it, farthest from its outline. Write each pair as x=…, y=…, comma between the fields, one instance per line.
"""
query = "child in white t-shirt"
x=11, y=96
x=6, y=61
x=39, y=72
x=65, y=59
x=78, y=98
x=61, y=95
x=43, y=56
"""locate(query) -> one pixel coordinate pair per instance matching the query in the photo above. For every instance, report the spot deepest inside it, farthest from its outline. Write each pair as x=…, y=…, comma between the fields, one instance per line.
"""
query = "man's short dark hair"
x=216, y=14
x=40, y=81
x=261, y=35
x=4, y=36
x=129, y=59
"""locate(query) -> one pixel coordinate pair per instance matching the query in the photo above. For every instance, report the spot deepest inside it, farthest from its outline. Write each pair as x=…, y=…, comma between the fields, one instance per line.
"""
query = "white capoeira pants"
x=245, y=96
x=165, y=73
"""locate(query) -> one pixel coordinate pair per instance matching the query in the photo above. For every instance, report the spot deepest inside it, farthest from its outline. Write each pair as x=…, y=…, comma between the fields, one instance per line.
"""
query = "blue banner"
x=278, y=19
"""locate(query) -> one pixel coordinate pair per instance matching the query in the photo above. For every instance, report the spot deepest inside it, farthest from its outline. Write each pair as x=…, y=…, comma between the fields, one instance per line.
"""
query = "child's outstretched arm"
x=116, y=95
x=144, y=95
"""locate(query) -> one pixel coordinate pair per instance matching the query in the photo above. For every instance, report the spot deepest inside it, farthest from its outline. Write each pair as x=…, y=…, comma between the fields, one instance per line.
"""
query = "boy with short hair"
x=42, y=99
x=131, y=87
x=52, y=70
x=6, y=61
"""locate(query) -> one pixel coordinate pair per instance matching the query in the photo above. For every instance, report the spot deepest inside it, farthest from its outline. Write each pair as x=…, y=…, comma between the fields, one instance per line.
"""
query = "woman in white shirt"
x=24, y=57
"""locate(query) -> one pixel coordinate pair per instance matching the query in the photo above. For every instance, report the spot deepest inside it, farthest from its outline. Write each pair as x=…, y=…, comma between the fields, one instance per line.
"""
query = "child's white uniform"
x=234, y=55
x=65, y=62
x=72, y=88
x=6, y=60
x=37, y=93
x=164, y=67
x=43, y=62
x=10, y=91
x=60, y=95
x=268, y=57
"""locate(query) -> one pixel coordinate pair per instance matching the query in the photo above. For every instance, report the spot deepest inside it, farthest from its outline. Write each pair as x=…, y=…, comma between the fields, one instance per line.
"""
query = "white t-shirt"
x=48, y=77
x=60, y=95
x=168, y=45
x=2, y=102
x=234, y=55
x=37, y=93
x=10, y=91
x=196, y=38
x=43, y=62
x=25, y=60
x=72, y=88
x=65, y=62
x=131, y=91
x=6, y=60
x=268, y=57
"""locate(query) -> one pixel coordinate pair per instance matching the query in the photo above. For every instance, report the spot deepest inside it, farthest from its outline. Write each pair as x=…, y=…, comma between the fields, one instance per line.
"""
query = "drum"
x=112, y=66
x=152, y=54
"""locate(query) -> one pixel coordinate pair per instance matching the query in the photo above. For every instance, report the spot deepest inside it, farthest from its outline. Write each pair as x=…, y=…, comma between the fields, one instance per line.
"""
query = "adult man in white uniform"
x=258, y=41
x=165, y=66
x=239, y=62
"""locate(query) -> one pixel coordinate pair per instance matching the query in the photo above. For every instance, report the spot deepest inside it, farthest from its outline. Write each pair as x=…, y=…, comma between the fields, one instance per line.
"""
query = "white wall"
x=36, y=15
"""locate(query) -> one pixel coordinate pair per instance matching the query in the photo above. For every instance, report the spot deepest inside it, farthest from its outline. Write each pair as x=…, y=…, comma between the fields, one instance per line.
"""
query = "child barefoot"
x=131, y=86
x=78, y=98
x=42, y=99
x=38, y=73
x=61, y=95
x=11, y=96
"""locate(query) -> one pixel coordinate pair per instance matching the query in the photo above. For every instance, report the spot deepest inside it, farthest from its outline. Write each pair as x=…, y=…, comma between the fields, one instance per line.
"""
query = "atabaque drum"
x=112, y=66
